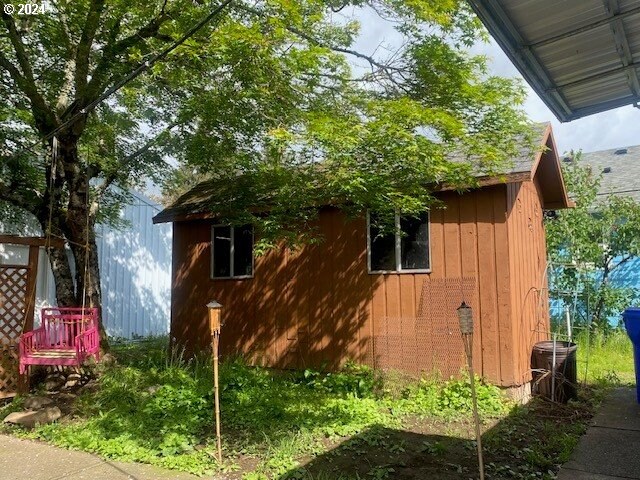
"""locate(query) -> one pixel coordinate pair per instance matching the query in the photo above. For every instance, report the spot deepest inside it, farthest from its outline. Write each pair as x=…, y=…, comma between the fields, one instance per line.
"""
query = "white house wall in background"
x=135, y=269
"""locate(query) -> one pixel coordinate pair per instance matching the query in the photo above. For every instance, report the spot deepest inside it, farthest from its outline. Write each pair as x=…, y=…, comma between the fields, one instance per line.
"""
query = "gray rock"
x=37, y=403
x=152, y=390
x=54, y=382
x=73, y=380
x=67, y=396
x=30, y=419
x=108, y=360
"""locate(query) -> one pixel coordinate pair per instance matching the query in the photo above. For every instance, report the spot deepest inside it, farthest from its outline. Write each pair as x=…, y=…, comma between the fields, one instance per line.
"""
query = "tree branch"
x=17, y=77
x=44, y=116
x=113, y=49
x=83, y=49
x=621, y=262
x=65, y=28
x=101, y=189
x=10, y=194
x=319, y=43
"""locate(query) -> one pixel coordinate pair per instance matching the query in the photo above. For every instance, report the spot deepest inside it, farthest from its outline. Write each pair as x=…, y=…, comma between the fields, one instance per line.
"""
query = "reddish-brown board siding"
x=319, y=306
x=529, y=295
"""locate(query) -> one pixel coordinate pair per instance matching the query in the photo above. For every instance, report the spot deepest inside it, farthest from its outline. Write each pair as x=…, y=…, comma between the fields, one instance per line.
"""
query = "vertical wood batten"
x=469, y=265
x=503, y=284
x=487, y=282
x=451, y=238
x=528, y=290
x=323, y=303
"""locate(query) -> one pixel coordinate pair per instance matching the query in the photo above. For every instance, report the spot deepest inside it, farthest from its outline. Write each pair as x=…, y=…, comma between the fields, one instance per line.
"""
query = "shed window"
x=407, y=250
x=232, y=251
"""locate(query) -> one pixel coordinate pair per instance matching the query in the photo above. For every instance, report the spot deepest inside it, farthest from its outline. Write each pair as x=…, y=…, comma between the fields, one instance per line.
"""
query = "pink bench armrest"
x=30, y=341
x=88, y=342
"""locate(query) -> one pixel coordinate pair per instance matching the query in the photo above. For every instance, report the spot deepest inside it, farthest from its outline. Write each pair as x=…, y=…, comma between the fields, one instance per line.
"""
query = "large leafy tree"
x=273, y=90
x=591, y=243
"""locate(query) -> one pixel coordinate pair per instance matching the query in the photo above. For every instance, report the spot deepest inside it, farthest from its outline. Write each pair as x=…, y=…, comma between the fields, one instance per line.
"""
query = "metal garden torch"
x=214, y=326
x=465, y=316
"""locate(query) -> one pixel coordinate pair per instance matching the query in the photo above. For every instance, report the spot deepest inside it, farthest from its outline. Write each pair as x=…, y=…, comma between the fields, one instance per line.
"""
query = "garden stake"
x=214, y=324
x=465, y=316
x=553, y=368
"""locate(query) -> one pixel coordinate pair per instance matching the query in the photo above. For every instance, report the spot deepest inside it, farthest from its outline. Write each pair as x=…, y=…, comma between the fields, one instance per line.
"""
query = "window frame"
x=232, y=230
x=398, y=249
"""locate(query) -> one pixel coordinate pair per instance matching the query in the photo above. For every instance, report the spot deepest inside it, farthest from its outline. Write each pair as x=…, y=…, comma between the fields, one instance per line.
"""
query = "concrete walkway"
x=610, y=450
x=23, y=459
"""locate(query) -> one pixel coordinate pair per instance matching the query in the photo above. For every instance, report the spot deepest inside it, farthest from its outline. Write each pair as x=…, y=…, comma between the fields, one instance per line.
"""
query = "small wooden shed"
x=386, y=302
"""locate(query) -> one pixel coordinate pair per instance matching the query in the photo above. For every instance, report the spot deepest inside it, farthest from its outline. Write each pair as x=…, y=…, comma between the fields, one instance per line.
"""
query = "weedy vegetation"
x=154, y=407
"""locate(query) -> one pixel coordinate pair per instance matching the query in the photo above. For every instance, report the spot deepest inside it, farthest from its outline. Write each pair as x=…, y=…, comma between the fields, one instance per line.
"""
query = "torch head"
x=465, y=316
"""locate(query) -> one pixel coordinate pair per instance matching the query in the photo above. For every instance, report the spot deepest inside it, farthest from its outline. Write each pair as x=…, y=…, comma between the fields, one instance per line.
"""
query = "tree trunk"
x=63, y=277
x=87, y=274
x=80, y=285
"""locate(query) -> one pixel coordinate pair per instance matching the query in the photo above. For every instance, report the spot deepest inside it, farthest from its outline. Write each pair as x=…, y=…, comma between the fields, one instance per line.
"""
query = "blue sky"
x=607, y=130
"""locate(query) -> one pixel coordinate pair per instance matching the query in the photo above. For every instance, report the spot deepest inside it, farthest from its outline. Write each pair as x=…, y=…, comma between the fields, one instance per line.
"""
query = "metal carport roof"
x=580, y=56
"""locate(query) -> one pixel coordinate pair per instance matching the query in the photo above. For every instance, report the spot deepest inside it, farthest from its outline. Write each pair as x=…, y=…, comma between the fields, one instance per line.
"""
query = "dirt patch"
x=531, y=443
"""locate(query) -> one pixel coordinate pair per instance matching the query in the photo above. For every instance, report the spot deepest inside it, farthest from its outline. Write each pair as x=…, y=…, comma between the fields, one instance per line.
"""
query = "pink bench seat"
x=67, y=336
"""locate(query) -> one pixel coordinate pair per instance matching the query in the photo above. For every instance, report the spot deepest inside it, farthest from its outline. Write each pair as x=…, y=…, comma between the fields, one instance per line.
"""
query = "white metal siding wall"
x=135, y=268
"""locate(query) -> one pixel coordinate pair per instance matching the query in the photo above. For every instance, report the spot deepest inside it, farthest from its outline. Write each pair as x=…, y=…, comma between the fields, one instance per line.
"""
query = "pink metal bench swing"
x=67, y=336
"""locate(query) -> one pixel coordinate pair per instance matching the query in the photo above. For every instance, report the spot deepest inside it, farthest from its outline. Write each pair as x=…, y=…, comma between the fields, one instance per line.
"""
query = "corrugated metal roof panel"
x=578, y=55
x=543, y=19
x=571, y=59
x=602, y=90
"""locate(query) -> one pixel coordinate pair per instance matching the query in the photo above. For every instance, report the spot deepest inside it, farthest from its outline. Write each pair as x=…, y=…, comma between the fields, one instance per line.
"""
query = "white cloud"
x=611, y=129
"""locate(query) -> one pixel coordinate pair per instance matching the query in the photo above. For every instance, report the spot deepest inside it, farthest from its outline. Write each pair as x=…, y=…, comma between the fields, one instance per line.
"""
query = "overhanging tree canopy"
x=263, y=87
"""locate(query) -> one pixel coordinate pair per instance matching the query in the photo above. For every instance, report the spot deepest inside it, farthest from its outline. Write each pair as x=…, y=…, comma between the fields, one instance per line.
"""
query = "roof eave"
x=553, y=162
x=169, y=217
x=509, y=39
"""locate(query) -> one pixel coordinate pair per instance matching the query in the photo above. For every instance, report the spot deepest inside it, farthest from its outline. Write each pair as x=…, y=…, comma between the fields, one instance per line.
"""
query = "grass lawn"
x=151, y=407
x=607, y=357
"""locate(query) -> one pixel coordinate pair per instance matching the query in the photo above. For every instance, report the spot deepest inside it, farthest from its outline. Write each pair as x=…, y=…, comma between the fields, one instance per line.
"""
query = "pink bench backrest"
x=60, y=326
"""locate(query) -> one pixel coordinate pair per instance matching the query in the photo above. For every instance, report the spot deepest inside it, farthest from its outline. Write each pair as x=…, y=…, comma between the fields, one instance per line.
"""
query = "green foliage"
x=456, y=397
x=452, y=398
x=359, y=380
x=15, y=405
x=590, y=242
x=272, y=90
x=538, y=437
x=605, y=357
x=152, y=407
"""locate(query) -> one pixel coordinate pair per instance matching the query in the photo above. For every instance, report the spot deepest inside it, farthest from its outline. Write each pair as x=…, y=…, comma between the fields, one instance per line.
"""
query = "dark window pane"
x=414, y=244
x=383, y=249
x=243, y=251
x=221, y=252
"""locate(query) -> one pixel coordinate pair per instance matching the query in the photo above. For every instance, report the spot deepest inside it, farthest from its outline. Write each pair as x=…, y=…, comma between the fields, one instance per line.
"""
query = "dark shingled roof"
x=622, y=175
x=212, y=197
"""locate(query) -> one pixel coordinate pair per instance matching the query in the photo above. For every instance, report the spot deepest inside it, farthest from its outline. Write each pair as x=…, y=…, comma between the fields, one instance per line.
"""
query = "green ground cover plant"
x=153, y=407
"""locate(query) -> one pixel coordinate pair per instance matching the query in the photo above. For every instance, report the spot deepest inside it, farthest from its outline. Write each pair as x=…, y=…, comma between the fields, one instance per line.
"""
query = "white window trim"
x=232, y=233
x=398, y=249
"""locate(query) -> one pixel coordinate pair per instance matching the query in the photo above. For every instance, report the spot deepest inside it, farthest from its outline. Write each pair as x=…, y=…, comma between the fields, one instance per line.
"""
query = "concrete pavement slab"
x=567, y=474
x=620, y=410
x=610, y=449
x=28, y=460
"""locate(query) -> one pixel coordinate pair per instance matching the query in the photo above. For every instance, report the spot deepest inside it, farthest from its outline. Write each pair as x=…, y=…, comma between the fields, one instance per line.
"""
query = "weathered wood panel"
x=529, y=294
x=319, y=306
